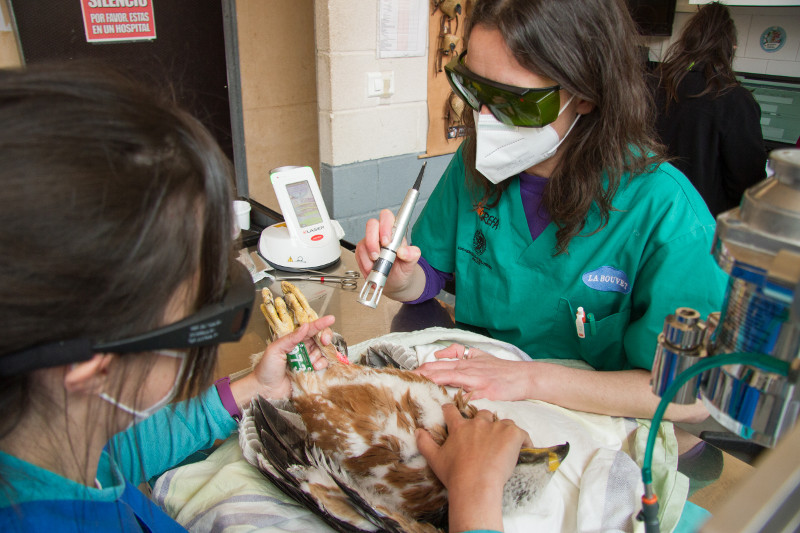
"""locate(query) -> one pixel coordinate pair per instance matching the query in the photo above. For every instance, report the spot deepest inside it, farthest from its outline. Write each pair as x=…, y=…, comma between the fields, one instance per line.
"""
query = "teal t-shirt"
x=651, y=258
x=35, y=499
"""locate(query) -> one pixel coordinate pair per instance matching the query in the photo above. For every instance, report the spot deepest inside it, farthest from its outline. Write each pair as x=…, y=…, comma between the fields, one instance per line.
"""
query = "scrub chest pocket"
x=602, y=344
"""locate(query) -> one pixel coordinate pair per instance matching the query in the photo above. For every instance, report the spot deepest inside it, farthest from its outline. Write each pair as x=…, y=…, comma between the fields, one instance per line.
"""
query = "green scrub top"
x=651, y=258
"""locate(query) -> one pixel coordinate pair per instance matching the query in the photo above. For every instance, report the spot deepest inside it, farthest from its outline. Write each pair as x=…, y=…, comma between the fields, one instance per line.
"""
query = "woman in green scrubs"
x=566, y=232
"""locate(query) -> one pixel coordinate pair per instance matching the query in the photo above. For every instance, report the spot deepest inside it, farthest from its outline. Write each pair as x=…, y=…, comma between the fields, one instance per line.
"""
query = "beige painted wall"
x=277, y=57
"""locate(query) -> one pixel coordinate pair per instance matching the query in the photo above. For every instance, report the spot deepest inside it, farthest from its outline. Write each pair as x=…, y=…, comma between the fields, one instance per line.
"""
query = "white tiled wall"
x=368, y=145
x=355, y=127
x=750, y=24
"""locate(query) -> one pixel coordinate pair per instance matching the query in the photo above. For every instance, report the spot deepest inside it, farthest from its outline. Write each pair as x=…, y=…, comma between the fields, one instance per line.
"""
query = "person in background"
x=709, y=122
x=566, y=233
x=116, y=221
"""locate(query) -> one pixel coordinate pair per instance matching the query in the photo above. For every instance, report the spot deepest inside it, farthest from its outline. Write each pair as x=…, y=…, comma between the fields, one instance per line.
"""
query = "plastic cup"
x=242, y=210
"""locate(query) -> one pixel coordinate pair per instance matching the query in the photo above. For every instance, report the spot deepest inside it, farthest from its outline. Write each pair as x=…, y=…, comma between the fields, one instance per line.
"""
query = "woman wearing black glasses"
x=117, y=283
x=565, y=232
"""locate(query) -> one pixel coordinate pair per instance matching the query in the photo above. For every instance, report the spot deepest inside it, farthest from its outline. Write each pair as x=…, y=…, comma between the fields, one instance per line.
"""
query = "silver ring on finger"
x=466, y=352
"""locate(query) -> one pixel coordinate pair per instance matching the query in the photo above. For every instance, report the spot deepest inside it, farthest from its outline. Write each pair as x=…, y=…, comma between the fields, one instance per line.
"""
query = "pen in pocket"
x=580, y=318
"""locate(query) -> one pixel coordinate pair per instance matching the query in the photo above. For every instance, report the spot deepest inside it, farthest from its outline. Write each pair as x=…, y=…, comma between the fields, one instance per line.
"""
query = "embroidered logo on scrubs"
x=607, y=279
x=479, y=242
x=479, y=238
x=485, y=216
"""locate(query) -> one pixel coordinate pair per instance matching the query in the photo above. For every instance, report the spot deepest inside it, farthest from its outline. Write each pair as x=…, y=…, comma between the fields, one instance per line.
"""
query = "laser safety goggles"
x=214, y=323
x=513, y=106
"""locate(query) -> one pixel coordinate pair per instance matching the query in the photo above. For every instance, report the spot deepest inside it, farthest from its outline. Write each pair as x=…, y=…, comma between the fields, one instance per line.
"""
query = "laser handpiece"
x=376, y=280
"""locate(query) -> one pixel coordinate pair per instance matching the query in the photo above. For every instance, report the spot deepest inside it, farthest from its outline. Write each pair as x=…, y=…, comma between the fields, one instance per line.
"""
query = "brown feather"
x=364, y=419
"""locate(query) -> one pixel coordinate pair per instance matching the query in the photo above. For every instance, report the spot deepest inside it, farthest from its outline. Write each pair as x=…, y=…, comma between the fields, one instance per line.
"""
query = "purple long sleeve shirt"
x=531, y=188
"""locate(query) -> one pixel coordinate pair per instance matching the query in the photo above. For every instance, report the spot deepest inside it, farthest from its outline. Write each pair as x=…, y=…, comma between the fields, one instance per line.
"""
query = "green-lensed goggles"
x=513, y=106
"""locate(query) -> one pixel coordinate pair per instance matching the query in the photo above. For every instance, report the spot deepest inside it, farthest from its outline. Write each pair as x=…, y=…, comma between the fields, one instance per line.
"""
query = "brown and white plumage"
x=356, y=424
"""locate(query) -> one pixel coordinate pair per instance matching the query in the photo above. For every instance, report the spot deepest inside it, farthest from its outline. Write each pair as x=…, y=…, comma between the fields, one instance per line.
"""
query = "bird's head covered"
x=351, y=455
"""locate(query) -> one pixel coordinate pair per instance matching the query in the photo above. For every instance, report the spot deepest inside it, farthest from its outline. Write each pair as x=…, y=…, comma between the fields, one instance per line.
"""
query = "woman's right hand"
x=404, y=278
x=474, y=463
x=269, y=377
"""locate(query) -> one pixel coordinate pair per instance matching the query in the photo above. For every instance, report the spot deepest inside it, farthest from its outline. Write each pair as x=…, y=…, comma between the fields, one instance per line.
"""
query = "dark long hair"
x=707, y=42
x=112, y=200
x=589, y=47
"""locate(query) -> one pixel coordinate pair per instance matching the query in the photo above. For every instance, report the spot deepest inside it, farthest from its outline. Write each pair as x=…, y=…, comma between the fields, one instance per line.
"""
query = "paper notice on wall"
x=402, y=28
x=118, y=20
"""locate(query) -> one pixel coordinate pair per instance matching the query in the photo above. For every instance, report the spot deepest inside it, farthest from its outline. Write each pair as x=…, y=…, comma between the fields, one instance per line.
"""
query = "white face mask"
x=139, y=415
x=504, y=151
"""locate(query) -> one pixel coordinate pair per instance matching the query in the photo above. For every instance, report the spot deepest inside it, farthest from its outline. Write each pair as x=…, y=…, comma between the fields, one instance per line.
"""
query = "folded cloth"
x=597, y=488
x=225, y=493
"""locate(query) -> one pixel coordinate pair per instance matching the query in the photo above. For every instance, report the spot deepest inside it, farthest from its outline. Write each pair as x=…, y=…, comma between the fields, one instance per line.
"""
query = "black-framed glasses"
x=214, y=323
x=511, y=105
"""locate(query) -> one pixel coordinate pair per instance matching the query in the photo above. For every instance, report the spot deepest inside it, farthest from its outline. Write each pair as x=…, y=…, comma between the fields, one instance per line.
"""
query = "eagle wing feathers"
x=353, y=460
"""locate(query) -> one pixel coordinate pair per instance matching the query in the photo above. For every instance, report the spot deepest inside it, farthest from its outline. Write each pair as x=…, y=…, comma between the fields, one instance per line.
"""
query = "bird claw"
x=278, y=318
x=285, y=314
x=299, y=304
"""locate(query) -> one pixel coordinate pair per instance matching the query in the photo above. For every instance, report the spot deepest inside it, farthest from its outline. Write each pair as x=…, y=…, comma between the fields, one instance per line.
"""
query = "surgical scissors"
x=348, y=280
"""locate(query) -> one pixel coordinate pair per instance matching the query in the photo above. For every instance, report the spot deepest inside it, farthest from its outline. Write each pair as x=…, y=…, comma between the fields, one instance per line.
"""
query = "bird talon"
x=285, y=314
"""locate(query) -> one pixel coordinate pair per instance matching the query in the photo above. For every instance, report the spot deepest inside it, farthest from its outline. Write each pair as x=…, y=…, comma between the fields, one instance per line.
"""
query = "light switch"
x=380, y=84
x=374, y=84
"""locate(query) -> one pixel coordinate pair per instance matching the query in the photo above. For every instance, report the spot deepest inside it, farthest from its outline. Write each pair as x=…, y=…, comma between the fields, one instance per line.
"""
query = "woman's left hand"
x=615, y=393
x=269, y=377
x=474, y=463
x=480, y=373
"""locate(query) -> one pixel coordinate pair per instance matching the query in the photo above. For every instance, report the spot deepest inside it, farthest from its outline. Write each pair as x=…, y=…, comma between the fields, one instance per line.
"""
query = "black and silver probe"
x=376, y=280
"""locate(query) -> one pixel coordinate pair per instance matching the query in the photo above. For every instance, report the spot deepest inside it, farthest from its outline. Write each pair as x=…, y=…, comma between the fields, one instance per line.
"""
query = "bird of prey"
x=344, y=445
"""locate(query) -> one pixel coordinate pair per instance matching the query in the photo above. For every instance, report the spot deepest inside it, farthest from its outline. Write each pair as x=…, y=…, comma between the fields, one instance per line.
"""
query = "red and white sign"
x=118, y=20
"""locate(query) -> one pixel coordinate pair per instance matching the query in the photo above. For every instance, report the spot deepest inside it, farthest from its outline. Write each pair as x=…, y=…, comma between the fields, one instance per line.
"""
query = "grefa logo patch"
x=607, y=279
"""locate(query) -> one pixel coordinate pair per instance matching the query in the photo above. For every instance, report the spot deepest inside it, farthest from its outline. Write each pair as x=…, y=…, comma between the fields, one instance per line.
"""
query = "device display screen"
x=305, y=207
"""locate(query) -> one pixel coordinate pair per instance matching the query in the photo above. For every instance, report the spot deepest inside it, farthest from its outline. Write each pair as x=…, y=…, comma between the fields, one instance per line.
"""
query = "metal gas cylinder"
x=758, y=245
x=680, y=346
